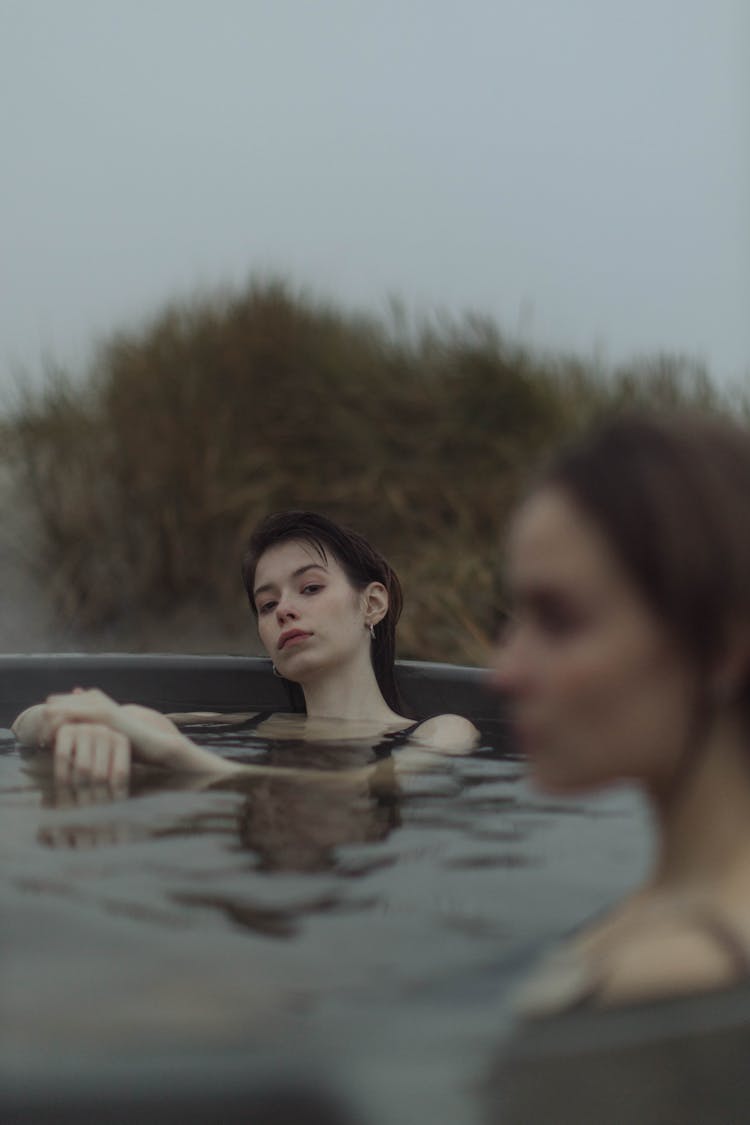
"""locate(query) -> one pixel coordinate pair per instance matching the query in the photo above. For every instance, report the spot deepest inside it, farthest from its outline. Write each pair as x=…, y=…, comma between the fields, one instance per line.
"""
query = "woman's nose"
x=285, y=610
x=506, y=667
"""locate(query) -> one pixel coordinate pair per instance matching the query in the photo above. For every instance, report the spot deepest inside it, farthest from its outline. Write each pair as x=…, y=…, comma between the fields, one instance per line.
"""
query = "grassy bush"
x=147, y=475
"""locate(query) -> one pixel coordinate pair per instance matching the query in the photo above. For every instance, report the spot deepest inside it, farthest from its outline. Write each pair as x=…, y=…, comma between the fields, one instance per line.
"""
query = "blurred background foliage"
x=143, y=477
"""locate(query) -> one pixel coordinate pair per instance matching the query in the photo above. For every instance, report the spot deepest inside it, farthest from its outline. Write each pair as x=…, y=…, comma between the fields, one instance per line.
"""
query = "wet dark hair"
x=671, y=495
x=362, y=565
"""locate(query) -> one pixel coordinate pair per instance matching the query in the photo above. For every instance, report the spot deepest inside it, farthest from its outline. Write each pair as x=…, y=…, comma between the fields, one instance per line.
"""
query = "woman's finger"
x=101, y=755
x=83, y=752
x=63, y=755
x=86, y=706
x=81, y=695
x=120, y=762
x=111, y=765
x=100, y=739
x=70, y=713
x=91, y=753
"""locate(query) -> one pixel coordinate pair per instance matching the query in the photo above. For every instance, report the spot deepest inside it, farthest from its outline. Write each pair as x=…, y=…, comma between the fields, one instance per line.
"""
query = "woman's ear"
x=375, y=598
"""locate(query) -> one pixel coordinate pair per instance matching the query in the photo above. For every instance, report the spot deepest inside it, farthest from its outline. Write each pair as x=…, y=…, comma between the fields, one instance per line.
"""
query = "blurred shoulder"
x=452, y=734
x=680, y=961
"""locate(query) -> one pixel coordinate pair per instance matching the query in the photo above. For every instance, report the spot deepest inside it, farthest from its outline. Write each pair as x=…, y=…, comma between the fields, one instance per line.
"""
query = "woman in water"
x=627, y=658
x=327, y=605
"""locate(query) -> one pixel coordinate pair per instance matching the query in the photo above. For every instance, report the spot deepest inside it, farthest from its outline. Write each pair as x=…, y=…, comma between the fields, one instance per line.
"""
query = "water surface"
x=373, y=932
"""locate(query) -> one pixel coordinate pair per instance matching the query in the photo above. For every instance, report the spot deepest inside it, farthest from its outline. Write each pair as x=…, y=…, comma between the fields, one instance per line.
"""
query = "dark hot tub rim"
x=178, y=682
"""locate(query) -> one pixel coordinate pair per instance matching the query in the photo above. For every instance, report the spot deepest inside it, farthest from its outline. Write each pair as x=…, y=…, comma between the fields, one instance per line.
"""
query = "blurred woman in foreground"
x=628, y=659
x=327, y=604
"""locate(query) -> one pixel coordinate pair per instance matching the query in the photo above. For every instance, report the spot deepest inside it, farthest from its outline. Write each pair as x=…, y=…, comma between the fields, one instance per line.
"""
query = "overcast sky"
x=577, y=169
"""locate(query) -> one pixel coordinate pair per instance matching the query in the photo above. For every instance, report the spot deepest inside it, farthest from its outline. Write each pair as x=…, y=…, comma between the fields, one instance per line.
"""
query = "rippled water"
x=373, y=934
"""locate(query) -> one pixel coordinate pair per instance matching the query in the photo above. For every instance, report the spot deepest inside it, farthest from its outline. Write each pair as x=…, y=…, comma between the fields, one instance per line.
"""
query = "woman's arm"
x=153, y=738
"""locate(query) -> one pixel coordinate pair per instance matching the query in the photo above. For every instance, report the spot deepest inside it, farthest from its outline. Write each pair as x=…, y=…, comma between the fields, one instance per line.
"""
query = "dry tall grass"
x=147, y=476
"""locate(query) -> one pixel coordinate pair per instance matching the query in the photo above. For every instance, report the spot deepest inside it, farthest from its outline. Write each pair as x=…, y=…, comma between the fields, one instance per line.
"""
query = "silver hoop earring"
x=372, y=631
x=276, y=672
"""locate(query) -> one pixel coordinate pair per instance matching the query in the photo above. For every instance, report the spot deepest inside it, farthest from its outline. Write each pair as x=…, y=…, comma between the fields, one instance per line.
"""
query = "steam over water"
x=26, y=617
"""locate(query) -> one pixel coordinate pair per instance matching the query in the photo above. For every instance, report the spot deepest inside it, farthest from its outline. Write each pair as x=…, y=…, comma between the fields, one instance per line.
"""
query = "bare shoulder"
x=451, y=734
x=679, y=961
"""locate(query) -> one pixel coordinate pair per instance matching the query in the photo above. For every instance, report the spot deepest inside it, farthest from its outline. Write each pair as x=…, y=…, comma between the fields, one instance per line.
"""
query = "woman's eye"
x=311, y=588
x=266, y=607
x=506, y=628
x=558, y=620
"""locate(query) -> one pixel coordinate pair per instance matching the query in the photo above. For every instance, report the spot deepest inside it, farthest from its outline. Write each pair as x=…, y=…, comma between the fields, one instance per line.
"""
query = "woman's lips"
x=292, y=638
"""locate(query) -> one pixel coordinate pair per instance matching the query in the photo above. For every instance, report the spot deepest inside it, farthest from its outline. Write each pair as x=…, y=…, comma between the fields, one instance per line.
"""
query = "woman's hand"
x=152, y=738
x=89, y=753
x=78, y=706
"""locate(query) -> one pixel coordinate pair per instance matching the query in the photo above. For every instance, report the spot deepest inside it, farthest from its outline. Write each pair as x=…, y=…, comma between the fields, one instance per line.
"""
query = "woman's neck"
x=704, y=820
x=349, y=693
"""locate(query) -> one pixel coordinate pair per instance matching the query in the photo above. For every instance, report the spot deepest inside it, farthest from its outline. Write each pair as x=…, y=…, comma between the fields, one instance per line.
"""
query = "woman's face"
x=310, y=618
x=599, y=690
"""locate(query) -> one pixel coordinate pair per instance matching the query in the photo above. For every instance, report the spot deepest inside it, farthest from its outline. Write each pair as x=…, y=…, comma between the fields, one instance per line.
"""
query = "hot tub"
x=223, y=683
x=163, y=960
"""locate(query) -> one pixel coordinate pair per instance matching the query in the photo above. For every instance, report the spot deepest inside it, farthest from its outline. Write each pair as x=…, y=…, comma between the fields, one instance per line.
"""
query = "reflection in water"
x=278, y=922
x=291, y=822
x=295, y=825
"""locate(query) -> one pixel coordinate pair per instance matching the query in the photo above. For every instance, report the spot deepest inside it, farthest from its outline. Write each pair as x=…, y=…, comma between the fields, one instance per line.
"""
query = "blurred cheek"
x=498, y=675
x=513, y=662
x=576, y=673
x=531, y=669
